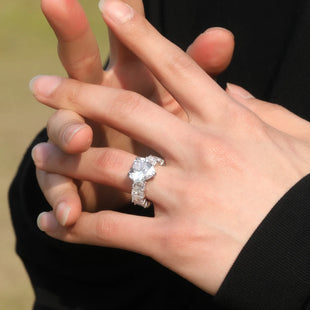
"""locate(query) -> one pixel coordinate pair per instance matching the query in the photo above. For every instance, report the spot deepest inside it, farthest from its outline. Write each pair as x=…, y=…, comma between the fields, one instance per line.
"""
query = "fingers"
x=69, y=131
x=213, y=50
x=61, y=193
x=272, y=114
x=118, y=52
x=173, y=68
x=105, y=228
x=77, y=46
x=125, y=111
x=100, y=165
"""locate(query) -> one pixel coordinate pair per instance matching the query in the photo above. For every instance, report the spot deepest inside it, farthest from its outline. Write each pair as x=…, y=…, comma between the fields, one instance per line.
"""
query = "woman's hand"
x=227, y=164
x=80, y=56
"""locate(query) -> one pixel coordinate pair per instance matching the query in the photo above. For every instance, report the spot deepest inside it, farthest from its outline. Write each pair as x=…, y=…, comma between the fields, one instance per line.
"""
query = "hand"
x=80, y=56
x=225, y=167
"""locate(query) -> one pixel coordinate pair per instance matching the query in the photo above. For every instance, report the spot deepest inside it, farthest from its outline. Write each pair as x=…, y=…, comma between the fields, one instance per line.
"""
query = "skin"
x=79, y=53
x=229, y=144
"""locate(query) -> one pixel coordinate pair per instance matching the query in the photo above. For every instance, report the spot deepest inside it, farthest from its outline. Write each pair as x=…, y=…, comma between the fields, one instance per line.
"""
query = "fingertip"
x=69, y=13
x=117, y=11
x=220, y=31
x=67, y=214
x=44, y=85
x=62, y=213
x=100, y=5
x=47, y=222
x=77, y=138
x=40, y=152
x=213, y=50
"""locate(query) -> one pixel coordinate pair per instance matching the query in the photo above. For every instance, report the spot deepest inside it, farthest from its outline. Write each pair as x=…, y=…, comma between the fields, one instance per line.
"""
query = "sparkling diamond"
x=141, y=170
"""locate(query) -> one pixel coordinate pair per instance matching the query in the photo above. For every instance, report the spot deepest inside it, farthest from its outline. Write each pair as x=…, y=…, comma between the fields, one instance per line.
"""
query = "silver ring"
x=142, y=169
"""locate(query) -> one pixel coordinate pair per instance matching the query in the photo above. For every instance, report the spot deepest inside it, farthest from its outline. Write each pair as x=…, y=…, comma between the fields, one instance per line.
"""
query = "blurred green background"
x=27, y=48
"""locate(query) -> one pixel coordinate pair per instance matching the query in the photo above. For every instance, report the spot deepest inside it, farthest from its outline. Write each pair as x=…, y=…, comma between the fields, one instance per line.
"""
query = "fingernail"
x=71, y=131
x=62, y=213
x=238, y=91
x=47, y=222
x=118, y=11
x=219, y=29
x=44, y=85
x=39, y=152
x=100, y=5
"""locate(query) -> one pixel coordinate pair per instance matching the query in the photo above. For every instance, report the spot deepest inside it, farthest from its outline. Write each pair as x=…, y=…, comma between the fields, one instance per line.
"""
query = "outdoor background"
x=27, y=48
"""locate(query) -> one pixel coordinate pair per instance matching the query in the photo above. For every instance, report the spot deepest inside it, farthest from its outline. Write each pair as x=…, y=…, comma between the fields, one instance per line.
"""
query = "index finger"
x=187, y=82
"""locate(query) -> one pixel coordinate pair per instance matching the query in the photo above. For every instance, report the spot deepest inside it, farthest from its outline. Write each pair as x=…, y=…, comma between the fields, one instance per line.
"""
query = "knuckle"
x=213, y=151
x=107, y=159
x=71, y=94
x=107, y=166
x=247, y=122
x=180, y=63
x=129, y=103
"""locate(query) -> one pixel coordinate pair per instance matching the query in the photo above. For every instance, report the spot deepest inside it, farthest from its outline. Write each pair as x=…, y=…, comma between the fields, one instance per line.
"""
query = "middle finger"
x=123, y=110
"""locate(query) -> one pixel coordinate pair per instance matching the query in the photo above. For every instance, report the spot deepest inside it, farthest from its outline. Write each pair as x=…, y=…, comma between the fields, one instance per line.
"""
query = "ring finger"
x=100, y=165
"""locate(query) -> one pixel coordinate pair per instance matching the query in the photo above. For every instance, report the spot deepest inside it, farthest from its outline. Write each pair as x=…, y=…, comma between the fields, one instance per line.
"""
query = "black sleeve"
x=273, y=269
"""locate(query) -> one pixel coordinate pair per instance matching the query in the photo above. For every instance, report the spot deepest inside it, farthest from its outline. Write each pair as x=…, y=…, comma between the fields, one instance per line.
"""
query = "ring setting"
x=142, y=169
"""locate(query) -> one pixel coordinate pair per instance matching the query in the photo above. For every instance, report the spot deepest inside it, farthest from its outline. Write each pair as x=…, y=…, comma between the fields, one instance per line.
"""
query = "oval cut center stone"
x=141, y=170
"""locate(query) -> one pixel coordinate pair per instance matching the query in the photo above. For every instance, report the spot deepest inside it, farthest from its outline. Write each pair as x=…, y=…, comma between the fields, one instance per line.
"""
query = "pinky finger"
x=105, y=228
x=62, y=194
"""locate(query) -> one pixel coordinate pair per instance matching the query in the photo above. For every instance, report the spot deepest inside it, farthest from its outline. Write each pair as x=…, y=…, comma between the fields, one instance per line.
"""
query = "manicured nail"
x=44, y=85
x=71, y=131
x=100, y=5
x=118, y=11
x=238, y=91
x=39, y=152
x=62, y=213
x=47, y=222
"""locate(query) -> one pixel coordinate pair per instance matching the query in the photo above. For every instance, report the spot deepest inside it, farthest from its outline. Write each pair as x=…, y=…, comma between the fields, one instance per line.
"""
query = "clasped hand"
x=227, y=162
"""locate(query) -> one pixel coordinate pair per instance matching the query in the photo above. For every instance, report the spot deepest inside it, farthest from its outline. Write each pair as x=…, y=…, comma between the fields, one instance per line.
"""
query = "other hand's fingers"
x=173, y=68
x=77, y=46
x=118, y=52
x=213, y=50
x=62, y=194
x=69, y=132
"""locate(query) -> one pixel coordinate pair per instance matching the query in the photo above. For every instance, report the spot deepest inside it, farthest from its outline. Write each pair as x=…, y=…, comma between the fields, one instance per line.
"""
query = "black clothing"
x=273, y=270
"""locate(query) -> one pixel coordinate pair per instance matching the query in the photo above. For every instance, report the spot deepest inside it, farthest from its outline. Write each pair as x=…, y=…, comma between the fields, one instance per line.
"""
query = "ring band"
x=143, y=169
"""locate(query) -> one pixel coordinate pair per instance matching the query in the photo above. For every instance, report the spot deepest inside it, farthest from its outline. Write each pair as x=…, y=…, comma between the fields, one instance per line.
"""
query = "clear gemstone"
x=141, y=170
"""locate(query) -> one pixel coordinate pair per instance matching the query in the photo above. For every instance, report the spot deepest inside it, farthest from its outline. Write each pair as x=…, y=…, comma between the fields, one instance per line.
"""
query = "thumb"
x=213, y=50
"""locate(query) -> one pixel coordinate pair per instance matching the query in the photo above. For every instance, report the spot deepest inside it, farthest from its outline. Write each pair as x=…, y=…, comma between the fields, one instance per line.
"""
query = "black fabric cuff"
x=273, y=269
